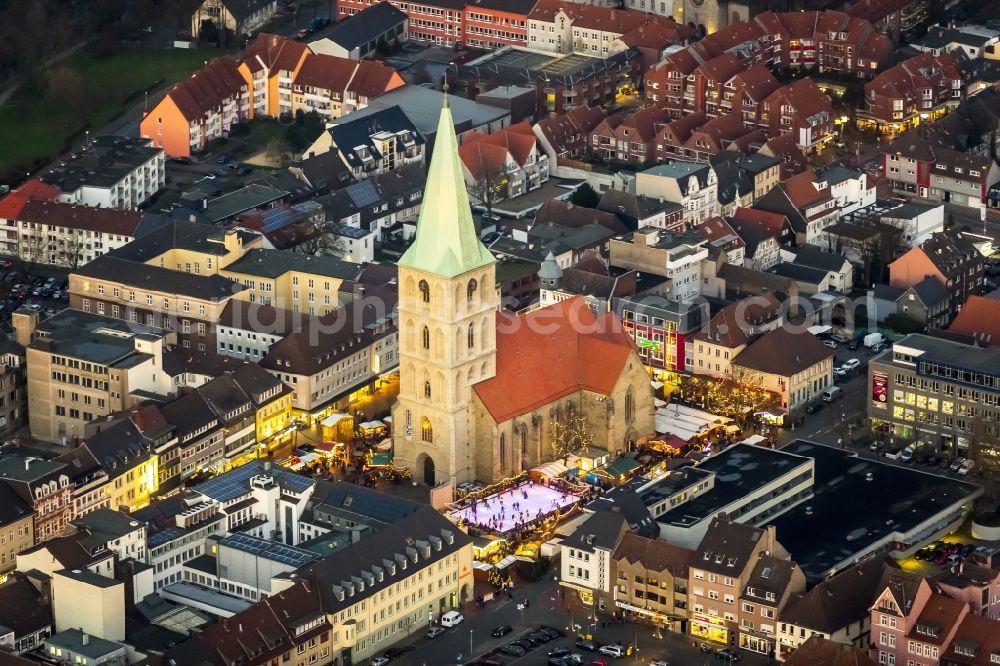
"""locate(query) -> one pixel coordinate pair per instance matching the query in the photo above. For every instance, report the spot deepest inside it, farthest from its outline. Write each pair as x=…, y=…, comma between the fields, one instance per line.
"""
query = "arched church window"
x=426, y=338
x=470, y=291
x=427, y=390
x=503, y=450
x=426, y=431
x=471, y=336
x=629, y=406
x=425, y=291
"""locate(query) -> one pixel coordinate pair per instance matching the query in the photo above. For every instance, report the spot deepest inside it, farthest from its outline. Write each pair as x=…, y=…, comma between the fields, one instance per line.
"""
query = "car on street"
x=586, y=644
x=183, y=159
x=303, y=33
x=853, y=346
x=839, y=372
x=966, y=467
x=612, y=651
x=393, y=652
x=851, y=364
x=727, y=654
x=659, y=662
x=222, y=159
x=434, y=632
x=502, y=630
x=830, y=343
x=379, y=661
x=840, y=338
x=539, y=636
x=559, y=652
x=814, y=407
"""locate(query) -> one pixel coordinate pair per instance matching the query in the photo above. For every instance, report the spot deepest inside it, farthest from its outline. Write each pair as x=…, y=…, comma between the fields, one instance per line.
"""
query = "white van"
x=832, y=393
x=451, y=618
x=907, y=454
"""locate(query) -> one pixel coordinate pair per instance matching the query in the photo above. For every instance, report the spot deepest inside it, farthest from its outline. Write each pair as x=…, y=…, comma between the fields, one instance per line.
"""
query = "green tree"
x=306, y=128
x=585, y=196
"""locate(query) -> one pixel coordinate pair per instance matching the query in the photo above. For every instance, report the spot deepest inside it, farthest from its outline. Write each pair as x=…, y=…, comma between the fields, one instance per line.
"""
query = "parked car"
x=814, y=407
x=222, y=159
x=524, y=643
x=840, y=338
x=513, y=651
x=502, y=630
x=830, y=343
x=854, y=345
x=586, y=644
x=434, y=632
x=612, y=651
x=727, y=654
x=181, y=160
x=966, y=467
x=851, y=364
x=559, y=652
x=554, y=633
x=303, y=33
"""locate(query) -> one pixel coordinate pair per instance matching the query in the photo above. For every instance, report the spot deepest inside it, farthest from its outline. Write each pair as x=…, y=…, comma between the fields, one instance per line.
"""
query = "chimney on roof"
x=85, y=639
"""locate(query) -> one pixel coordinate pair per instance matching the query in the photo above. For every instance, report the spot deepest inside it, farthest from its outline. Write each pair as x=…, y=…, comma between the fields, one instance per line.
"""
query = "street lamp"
x=470, y=643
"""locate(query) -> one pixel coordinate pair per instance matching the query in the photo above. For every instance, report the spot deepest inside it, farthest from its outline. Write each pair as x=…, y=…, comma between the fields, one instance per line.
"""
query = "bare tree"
x=490, y=185
x=743, y=393
x=318, y=240
x=73, y=248
x=32, y=249
x=570, y=435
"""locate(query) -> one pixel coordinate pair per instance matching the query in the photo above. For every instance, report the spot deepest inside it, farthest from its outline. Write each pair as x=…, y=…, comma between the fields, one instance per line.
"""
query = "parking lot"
x=947, y=553
x=44, y=293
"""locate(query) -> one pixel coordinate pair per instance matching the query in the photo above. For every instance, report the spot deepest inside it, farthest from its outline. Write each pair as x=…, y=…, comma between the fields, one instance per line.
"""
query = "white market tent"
x=686, y=422
x=334, y=419
x=552, y=470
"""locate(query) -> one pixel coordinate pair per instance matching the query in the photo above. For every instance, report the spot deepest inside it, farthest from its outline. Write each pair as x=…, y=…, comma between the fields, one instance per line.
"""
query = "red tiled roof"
x=88, y=218
x=645, y=122
x=562, y=129
x=38, y=189
x=790, y=157
x=804, y=96
x=273, y=52
x=876, y=10
x=941, y=613
x=489, y=151
x=981, y=634
x=373, y=78
x=773, y=222
x=682, y=127
x=722, y=68
x=327, y=72
x=207, y=88
x=11, y=205
x=482, y=158
x=563, y=340
x=657, y=32
x=979, y=316
x=757, y=82
x=723, y=128
x=801, y=189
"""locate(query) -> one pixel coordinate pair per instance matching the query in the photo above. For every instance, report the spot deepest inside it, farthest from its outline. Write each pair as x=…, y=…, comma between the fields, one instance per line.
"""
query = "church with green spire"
x=447, y=323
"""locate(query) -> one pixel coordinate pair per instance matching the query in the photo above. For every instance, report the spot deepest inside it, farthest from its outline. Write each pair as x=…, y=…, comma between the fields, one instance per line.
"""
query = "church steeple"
x=446, y=243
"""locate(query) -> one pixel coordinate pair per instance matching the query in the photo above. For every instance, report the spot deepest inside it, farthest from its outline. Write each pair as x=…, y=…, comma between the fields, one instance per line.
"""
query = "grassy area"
x=83, y=92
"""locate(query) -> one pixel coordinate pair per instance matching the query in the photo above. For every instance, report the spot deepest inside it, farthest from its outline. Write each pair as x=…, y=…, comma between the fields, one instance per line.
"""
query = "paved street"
x=675, y=648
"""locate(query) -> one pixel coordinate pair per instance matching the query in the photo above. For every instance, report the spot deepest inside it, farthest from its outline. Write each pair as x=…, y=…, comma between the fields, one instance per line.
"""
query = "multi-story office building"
x=936, y=392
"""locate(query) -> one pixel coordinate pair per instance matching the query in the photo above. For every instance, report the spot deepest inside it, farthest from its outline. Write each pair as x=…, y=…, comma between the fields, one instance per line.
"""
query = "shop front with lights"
x=709, y=628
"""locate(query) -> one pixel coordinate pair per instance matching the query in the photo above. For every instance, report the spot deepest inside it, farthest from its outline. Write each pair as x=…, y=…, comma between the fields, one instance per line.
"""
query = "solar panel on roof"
x=278, y=218
x=363, y=193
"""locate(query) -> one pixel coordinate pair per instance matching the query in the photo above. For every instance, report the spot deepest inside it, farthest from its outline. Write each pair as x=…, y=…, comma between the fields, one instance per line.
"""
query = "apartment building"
x=976, y=582
x=662, y=329
x=375, y=143
x=910, y=622
x=920, y=89
x=26, y=615
x=558, y=26
x=109, y=172
x=802, y=110
x=13, y=387
x=333, y=358
x=720, y=570
x=289, y=280
x=806, y=202
x=566, y=135
x=730, y=331
x=772, y=584
x=82, y=366
x=896, y=18
x=936, y=392
x=831, y=40
x=44, y=486
x=334, y=87
x=71, y=235
x=198, y=110
x=650, y=579
x=627, y=139
x=492, y=24
x=796, y=367
x=268, y=67
x=384, y=205
x=676, y=256
x=950, y=258
x=836, y=609
x=917, y=166
x=507, y=161
x=588, y=558
x=17, y=528
x=693, y=185
x=763, y=235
